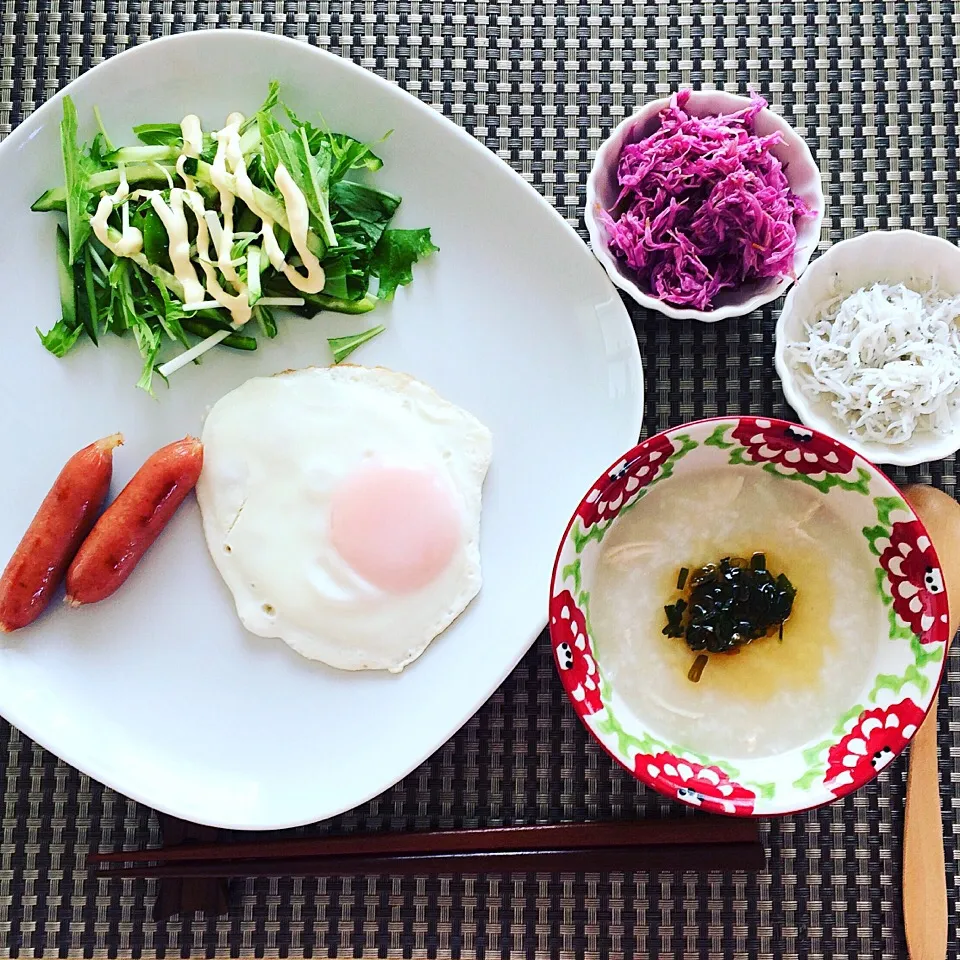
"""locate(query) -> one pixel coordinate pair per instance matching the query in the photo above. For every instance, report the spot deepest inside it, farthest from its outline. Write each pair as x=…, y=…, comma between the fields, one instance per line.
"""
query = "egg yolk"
x=396, y=527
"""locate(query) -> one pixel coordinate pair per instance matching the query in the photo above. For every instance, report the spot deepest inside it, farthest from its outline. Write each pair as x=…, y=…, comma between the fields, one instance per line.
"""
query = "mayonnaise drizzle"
x=192, y=134
x=298, y=217
x=130, y=241
x=237, y=305
x=175, y=222
x=229, y=175
x=228, y=145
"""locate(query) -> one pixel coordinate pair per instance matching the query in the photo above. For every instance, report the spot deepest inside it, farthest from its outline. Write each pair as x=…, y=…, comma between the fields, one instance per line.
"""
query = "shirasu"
x=886, y=359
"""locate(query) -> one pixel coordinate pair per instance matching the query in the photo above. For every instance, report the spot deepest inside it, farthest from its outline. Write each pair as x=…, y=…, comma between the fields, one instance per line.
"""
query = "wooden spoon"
x=924, y=866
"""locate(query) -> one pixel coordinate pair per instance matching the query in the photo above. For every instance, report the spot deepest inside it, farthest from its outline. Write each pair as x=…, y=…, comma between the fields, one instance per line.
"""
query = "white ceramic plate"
x=159, y=692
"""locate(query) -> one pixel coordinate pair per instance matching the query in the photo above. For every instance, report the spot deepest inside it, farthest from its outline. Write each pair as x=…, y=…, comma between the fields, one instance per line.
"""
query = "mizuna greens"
x=182, y=240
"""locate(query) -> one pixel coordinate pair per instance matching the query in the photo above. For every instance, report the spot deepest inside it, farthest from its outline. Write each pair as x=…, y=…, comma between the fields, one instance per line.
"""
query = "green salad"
x=192, y=239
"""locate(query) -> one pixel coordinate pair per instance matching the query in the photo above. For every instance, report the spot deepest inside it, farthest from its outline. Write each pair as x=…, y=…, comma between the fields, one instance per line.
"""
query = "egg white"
x=275, y=449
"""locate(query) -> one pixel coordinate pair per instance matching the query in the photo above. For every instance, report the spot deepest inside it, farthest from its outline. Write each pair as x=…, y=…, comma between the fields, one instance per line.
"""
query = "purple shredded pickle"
x=704, y=206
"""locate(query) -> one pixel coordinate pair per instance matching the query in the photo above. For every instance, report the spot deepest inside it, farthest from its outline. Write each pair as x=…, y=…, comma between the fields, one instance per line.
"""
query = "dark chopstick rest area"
x=185, y=895
x=194, y=865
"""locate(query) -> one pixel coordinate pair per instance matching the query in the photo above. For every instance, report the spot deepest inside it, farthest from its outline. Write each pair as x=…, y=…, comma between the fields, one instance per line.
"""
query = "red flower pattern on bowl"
x=636, y=470
x=707, y=788
x=571, y=649
x=794, y=781
x=915, y=581
x=791, y=446
x=879, y=735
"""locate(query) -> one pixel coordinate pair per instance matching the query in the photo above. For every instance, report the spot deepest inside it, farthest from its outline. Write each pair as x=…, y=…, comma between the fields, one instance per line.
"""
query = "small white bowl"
x=897, y=256
x=802, y=174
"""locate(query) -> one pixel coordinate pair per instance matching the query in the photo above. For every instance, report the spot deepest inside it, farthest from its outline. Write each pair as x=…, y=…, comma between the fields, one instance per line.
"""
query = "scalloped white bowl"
x=802, y=174
x=894, y=256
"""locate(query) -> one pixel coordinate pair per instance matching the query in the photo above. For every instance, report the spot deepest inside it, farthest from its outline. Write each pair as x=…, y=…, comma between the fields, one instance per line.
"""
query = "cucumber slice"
x=91, y=318
x=144, y=154
x=254, y=292
x=50, y=200
x=68, y=291
x=56, y=199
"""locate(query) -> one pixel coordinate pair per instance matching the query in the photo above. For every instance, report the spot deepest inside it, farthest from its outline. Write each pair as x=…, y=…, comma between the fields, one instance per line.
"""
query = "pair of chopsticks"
x=688, y=843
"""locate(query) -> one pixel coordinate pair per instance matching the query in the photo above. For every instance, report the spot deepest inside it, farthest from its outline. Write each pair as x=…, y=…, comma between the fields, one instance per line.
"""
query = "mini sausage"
x=133, y=521
x=55, y=534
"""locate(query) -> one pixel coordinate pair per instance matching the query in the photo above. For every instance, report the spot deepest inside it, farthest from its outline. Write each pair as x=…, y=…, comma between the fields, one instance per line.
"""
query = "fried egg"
x=341, y=506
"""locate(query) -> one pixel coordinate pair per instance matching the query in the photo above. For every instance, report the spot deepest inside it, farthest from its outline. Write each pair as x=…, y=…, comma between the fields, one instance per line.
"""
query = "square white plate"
x=158, y=691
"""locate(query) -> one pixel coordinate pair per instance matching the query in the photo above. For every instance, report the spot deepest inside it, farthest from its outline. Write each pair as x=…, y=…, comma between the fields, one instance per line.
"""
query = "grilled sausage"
x=63, y=521
x=133, y=521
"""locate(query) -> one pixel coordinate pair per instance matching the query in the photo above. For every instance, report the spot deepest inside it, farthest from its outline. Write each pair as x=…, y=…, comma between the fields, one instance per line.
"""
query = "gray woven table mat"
x=872, y=86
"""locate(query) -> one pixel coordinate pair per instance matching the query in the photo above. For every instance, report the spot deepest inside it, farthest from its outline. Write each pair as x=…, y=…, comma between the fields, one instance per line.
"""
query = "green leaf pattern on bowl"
x=896, y=696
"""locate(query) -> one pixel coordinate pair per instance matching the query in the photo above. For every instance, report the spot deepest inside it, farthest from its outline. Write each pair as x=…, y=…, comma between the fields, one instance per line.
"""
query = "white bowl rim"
x=909, y=454
x=726, y=101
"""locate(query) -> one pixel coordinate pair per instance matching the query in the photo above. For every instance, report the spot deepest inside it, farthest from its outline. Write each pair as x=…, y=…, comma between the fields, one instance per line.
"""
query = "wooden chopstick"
x=689, y=843
x=185, y=896
x=659, y=857
x=554, y=836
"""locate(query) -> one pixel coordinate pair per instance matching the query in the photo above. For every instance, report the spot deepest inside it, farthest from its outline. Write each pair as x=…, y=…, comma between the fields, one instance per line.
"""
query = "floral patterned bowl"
x=882, y=717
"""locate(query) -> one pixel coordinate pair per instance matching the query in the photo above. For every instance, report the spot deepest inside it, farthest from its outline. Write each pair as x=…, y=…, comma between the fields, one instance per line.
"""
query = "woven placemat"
x=872, y=86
